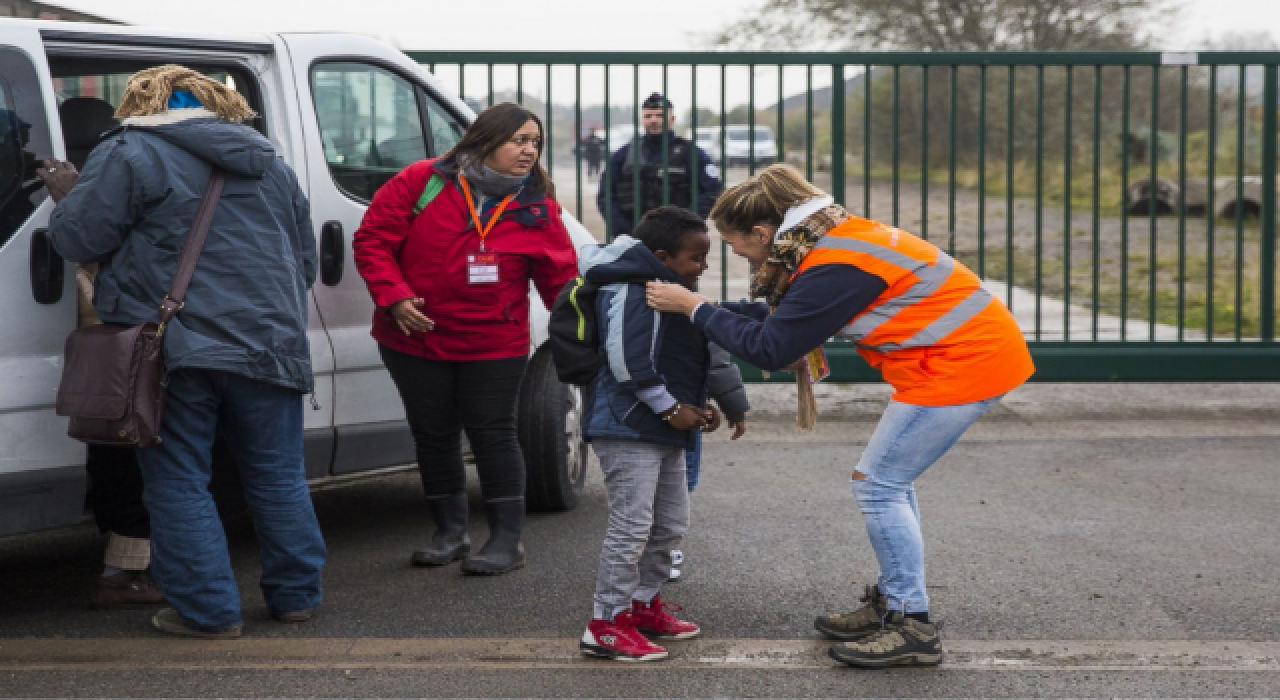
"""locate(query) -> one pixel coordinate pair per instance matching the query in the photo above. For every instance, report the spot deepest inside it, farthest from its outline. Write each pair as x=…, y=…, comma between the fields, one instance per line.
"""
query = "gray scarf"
x=490, y=182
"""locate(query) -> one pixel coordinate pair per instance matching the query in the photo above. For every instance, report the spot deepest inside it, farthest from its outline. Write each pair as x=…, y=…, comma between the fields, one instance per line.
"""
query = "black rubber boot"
x=503, y=552
x=450, y=543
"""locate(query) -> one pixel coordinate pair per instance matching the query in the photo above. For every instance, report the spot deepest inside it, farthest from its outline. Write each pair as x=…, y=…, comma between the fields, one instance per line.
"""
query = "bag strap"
x=173, y=301
x=434, y=187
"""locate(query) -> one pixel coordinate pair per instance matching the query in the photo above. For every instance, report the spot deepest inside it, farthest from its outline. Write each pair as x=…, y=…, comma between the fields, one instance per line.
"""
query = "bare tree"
x=952, y=25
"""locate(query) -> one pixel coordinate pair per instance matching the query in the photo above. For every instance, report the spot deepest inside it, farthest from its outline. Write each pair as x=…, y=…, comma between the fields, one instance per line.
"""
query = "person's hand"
x=739, y=425
x=713, y=419
x=672, y=298
x=59, y=176
x=687, y=418
x=409, y=318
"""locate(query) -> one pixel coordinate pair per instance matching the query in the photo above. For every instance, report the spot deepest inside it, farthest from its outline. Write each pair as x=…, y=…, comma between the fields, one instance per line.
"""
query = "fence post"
x=837, y=133
x=1268, y=276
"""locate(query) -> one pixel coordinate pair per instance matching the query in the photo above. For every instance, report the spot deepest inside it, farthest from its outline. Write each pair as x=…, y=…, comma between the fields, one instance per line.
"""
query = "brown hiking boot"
x=903, y=642
x=170, y=621
x=863, y=622
x=124, y=589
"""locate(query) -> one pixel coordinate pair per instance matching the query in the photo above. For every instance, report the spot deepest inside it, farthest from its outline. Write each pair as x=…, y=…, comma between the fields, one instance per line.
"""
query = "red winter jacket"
x=401, y=256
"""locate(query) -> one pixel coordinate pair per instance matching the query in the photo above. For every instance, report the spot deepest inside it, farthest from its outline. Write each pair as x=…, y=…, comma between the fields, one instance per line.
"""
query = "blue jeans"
x=908, y=440
x=693, y=462
x=262, y=425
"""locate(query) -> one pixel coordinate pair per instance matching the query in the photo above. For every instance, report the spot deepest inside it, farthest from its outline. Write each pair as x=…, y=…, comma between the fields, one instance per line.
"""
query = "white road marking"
x=561, y=653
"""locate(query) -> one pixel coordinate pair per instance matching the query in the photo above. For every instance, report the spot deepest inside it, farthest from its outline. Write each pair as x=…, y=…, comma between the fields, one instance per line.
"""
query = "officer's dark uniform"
x=647, y=158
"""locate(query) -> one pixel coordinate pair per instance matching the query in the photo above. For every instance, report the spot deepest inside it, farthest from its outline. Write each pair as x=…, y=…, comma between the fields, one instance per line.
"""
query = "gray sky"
x=601, y=25
x=575, y=25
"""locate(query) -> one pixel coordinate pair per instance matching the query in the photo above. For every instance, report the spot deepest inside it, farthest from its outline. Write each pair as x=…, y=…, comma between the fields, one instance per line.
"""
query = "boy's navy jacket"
x=654, y=359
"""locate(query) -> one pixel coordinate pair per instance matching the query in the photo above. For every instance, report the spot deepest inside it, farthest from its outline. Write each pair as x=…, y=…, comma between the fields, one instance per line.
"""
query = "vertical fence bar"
x=462, y=82
x=808, y=123
x=1039, y=194
x=1124, y=207
x=577, y=131
x=1008, y=248
x=1066, y=207
x=782, y=131
x=837, y=133
x=636, y=146
x=1153, y=152
x=866, y=142
x=951, y=177
x=1242, y=129
x=1211, y=208
x=1182, y=203
x=751, y=119
x=519, y=83
x=982, y=169
x=724, y=175
x=694, y=161
x=606, y=180
x=490, y=84
x=924, y=152
x=666, y=142
x=1268, y=274
x=1097, y=191
x=550, y=145
x=897, y=130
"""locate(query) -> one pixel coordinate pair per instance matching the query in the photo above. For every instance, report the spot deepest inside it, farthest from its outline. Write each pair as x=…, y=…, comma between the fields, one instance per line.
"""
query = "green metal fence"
x=1122, y=204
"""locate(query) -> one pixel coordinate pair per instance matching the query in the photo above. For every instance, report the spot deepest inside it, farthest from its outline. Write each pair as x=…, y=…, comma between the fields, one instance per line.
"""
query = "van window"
x=24, y=141
x=370, y=124
x=446, y=131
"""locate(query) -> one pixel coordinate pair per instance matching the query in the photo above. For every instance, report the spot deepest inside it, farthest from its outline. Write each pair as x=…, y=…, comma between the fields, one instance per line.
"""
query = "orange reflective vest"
x=935, y=334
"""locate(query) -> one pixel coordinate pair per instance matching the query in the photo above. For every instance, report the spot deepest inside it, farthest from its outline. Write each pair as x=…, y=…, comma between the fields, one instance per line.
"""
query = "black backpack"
x=574, y=334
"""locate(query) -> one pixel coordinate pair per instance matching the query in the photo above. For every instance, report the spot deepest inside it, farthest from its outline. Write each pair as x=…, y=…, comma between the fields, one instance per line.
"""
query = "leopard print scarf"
x=771, y=280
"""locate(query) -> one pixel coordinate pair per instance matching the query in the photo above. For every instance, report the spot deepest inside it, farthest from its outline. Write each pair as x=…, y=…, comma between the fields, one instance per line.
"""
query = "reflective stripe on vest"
x=930, y=279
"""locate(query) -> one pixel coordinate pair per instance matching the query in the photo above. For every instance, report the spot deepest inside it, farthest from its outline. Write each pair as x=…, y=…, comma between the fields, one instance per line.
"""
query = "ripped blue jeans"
x=907, y=441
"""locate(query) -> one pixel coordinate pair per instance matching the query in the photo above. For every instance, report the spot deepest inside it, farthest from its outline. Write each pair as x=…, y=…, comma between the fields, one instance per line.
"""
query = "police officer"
x=617, y=201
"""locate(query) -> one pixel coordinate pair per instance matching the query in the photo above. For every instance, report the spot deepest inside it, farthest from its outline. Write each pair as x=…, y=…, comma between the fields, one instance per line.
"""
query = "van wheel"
x=549, y=423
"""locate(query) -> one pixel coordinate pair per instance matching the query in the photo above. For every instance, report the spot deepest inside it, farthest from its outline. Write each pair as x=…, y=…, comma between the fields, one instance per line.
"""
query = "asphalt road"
x=1144, y=552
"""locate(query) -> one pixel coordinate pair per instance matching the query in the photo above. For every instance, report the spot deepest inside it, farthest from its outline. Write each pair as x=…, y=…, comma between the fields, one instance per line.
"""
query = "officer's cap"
x=656, y=101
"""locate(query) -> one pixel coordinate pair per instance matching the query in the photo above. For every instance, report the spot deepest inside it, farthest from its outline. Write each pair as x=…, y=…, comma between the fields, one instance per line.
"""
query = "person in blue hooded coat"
x=236, y=355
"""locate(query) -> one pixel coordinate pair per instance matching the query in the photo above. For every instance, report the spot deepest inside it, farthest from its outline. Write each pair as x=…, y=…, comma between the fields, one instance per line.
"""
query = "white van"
x=347, y=112
x=738, y=144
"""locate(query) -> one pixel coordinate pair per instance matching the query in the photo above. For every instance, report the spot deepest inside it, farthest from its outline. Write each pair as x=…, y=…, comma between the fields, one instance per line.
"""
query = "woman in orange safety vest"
x=949, y=349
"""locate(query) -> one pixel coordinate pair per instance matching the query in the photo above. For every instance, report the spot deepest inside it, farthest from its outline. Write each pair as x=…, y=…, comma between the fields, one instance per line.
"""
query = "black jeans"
x=115, y=492
x=443, y=398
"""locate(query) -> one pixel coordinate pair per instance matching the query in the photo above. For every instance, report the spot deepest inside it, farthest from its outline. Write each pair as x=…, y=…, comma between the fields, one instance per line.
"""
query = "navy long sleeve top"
x=820, y=302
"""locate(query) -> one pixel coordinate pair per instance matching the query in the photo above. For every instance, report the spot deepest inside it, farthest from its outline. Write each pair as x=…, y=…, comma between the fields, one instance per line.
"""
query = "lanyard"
x=475, y=216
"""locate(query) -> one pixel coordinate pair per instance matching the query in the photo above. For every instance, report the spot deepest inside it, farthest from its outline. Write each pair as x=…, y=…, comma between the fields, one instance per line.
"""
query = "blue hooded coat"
x=246, y=309
x=654, y=359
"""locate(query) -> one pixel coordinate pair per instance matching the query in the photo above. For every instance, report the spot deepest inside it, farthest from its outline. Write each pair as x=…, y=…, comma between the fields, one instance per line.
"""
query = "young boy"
x=643, y=413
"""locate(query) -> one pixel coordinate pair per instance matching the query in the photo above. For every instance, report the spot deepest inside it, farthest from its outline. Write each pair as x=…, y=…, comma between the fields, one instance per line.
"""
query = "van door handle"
x=46, y=269
x=333, y=253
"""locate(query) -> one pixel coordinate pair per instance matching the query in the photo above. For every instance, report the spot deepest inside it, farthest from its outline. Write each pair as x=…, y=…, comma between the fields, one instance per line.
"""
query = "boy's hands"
x=739, y=425
x=713, y=419
x=688, y=417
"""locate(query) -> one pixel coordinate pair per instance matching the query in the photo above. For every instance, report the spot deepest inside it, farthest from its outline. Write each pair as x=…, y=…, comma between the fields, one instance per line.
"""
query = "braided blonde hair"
x=148, y=91
x=763, y=198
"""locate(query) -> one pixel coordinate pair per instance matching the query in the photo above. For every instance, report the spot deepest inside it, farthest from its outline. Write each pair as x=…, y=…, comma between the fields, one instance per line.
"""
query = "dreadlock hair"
x=762, y=199
x=148, y=91
x=666, y=227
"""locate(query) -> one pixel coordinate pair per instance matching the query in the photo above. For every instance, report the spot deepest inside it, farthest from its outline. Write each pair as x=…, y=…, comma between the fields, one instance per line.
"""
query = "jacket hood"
x=624, y=260
x=236, y=148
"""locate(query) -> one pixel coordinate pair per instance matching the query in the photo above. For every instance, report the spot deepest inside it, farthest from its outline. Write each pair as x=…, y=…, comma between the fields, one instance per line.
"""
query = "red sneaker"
x=619, y=640
x=655, y=619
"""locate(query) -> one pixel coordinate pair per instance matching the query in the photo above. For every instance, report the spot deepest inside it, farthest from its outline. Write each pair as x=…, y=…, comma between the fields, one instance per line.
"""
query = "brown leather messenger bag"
x=112, y=377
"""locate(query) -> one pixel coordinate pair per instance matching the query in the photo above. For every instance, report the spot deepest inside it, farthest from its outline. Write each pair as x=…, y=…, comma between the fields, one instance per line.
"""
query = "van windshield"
x=740, y=133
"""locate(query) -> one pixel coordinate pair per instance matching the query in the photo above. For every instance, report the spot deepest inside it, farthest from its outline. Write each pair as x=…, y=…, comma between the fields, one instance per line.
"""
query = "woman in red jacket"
x=448, y=248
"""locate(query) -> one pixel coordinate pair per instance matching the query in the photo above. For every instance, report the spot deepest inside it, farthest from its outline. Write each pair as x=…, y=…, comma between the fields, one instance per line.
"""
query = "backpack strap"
x=434, y=187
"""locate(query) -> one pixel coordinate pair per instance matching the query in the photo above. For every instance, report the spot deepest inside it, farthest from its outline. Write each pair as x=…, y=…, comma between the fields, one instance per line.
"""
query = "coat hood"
x=236, y=148
x=625, y=260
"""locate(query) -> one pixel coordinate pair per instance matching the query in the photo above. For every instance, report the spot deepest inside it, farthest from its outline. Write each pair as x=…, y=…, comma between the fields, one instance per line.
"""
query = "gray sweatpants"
x=648, y=515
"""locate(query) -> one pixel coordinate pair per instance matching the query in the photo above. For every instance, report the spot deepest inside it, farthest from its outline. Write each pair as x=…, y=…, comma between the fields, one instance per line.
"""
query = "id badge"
x=482, y=268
